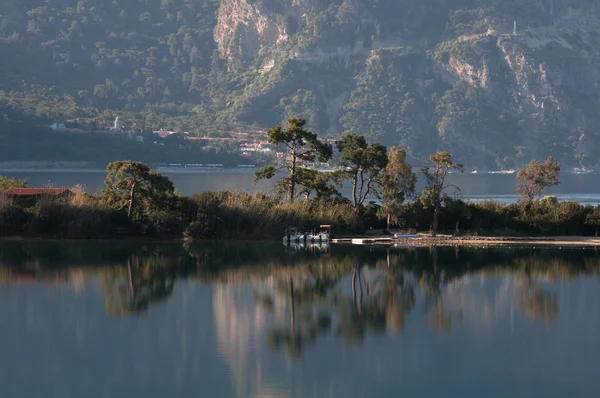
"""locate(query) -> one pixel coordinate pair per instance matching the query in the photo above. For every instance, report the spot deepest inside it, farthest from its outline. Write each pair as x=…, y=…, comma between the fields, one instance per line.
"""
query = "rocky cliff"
x=496, y=82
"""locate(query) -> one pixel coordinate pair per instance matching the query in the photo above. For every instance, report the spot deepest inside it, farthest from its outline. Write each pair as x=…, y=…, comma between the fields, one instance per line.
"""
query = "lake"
x=235, y=320
x=583, y=188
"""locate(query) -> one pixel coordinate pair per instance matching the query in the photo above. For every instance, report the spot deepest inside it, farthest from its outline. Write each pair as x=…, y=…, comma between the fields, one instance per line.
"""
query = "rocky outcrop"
x=246, y=29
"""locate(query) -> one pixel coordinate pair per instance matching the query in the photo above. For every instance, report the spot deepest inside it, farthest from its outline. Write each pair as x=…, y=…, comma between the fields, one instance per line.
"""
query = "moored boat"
x=292, y=235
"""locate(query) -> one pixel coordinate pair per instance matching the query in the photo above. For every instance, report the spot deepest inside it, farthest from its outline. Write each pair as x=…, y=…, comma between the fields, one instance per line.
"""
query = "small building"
x=29, y=196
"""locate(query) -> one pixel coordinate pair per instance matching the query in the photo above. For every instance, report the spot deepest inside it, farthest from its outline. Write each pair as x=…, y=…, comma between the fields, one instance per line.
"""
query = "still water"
x=232, y=320
x=583, y=188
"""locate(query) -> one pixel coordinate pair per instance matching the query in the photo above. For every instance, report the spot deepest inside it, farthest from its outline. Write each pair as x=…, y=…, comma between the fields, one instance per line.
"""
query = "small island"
x=138, y=202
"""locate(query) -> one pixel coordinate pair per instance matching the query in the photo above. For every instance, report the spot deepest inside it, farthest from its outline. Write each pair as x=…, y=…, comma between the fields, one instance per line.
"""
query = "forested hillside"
x=496, y=82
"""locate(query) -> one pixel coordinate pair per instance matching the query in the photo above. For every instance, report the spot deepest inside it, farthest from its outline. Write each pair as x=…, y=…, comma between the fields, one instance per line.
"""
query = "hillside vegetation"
x=429, y=75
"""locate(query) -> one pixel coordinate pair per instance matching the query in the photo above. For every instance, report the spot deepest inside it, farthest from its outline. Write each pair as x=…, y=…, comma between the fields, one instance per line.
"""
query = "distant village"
x=246, y=143
x=249, y=143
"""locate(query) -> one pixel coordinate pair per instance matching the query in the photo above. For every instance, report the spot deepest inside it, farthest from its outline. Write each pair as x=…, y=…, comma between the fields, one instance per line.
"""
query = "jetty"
x=450, y=240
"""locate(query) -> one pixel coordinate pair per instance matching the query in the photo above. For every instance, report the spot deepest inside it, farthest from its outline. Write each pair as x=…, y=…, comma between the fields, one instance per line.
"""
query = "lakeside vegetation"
x=139, y=202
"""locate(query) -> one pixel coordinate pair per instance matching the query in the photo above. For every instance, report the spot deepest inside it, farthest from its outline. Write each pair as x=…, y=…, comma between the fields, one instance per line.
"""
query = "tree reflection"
x=535, y=303
x=350, y=292
x=431, y=283
x=144, y=282
x=360, y=295
x=304, y=324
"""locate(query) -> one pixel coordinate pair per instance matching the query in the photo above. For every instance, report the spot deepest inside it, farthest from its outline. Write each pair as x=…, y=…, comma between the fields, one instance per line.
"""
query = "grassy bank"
x=240, y=216
x=211, y=215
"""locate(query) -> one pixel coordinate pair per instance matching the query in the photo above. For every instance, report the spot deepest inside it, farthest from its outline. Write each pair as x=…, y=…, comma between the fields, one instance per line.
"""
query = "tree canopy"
x=435, y=179
x=301, y=147
x=362, y=164
x=398, y=182
x=536, y=176
x=135, y=185
x=8, y=183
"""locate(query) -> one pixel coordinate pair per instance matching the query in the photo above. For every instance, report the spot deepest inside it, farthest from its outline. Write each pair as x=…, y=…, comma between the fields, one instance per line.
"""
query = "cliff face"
x=244, y=30
x=496, y=82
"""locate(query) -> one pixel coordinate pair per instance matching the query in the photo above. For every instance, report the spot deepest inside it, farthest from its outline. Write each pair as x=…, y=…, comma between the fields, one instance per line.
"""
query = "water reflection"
x=302, y=323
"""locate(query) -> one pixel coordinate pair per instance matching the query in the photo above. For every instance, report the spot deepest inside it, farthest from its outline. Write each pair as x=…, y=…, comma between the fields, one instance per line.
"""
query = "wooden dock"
x=365, y=240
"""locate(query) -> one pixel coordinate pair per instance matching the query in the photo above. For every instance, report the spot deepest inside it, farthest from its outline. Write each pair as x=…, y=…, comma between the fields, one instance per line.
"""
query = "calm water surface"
x=109, y=320
x=477, y=187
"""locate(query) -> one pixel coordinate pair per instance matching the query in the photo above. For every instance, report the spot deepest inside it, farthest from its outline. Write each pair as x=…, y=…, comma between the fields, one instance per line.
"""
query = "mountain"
x=495, y=82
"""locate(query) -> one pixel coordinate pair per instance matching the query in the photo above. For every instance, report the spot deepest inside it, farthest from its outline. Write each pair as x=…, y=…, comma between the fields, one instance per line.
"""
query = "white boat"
x=292, y=235
x=502, y=172
x=581, y=170
x=306, y=238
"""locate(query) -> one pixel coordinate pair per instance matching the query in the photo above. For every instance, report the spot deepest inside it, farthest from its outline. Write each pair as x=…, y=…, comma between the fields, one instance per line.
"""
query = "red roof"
x=35, y=191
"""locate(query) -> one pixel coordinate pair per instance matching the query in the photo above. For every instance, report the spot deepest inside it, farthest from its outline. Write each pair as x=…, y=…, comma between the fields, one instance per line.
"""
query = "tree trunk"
x=436, y=214
x=354, y=186
x=354, y=286
x=131, y=194
x=361, y=199
x=293, y=176
x=292, y=308
x=131, y=284
x=388, y=222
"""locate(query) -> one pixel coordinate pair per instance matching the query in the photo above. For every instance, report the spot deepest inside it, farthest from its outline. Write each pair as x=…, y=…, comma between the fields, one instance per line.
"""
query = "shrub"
x=242, y=216
x=12, y=217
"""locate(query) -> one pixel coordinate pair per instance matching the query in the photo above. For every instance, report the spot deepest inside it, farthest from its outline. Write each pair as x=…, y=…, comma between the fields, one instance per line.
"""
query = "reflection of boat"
x=309, y=247
x=405, y=244
x=292, y=235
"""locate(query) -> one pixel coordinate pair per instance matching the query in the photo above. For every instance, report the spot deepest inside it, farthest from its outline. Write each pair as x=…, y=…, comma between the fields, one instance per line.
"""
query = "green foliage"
x=12, y=217
x=392, y=100
x=427, y=76
x=398, y=182
x=59, y=218
x=361, y=163
x=111, y=54
x=301, y=147
x=135, y=185
x=593, y=219
x=541, y=217
x=325, y=185
x=231, y=215
x=435, y=180
x=537, y=176
x=8, y=183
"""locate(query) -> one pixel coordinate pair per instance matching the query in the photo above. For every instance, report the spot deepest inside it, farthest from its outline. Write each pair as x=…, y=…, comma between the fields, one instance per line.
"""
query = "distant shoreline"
x=103, y=171
x=50, y=170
